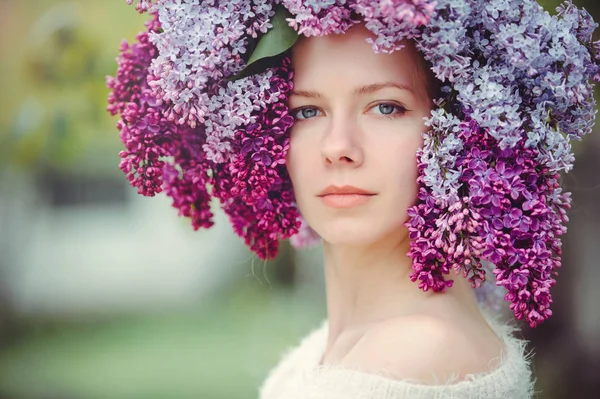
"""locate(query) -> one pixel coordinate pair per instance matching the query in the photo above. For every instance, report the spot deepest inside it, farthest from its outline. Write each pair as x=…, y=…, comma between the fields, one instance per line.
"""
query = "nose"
x=341, y=144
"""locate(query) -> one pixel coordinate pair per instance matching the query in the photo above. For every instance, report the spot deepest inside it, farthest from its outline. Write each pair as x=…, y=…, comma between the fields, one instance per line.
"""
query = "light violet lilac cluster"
x=390, y=21
x=516, y=87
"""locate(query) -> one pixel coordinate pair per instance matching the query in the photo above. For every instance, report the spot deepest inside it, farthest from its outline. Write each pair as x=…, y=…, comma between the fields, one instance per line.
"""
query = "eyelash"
x=400, y=111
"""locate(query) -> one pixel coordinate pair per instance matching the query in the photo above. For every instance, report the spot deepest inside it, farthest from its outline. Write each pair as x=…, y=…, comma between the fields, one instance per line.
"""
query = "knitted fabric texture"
x=298, y=376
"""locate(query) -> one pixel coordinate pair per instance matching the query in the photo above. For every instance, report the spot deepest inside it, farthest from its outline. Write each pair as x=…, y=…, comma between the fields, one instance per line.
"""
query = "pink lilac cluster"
x=141, y=122
x=150, y=138
x=516, y=87
x=141, y=5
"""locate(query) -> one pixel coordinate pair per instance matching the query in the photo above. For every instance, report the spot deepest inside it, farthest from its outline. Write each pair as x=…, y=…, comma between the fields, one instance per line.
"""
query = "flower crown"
x=202, y=98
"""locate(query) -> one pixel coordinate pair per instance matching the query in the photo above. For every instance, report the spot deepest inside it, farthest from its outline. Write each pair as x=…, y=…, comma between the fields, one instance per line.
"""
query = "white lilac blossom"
x=516, y=87
x=439, y=154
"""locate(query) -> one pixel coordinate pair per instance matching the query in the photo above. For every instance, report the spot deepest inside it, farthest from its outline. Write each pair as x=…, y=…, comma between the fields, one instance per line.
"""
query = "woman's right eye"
x=305, y=113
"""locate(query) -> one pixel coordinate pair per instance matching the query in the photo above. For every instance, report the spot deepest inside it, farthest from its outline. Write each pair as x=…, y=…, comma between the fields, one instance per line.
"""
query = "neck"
x=369, y=284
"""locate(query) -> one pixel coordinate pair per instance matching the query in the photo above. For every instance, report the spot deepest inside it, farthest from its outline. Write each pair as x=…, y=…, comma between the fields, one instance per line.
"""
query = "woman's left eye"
x=304, y=113
x=388, y=109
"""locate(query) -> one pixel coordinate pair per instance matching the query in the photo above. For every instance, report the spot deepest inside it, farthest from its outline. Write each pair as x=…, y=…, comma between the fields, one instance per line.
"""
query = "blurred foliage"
x=53, y=71
x=221, y=349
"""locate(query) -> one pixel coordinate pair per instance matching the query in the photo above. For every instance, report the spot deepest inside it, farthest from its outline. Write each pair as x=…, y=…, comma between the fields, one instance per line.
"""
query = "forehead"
x=347, y=59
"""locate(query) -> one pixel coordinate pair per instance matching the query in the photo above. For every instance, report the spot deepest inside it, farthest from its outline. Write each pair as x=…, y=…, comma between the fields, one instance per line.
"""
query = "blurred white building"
x=107, y=253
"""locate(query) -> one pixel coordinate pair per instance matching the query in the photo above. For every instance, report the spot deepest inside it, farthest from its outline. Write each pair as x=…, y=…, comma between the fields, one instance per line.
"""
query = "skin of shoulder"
x=424, y=349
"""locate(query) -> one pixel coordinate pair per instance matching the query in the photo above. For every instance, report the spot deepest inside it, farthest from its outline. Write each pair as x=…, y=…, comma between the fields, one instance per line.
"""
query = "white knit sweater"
x=299, y=376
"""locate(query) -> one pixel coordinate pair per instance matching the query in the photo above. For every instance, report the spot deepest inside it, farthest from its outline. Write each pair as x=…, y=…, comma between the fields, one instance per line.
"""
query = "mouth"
x=345, y=197
x=344, y=190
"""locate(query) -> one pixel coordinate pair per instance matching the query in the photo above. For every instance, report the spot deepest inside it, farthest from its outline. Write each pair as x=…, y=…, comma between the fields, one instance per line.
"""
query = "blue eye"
x=389, y=109
x=386, y=109
x=305, y=113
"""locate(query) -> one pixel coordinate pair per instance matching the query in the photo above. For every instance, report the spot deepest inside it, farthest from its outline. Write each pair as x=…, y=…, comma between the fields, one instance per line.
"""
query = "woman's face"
x=359, y=122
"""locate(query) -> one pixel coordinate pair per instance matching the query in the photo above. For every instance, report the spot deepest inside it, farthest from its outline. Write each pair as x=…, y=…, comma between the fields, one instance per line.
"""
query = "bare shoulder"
x=426, y=349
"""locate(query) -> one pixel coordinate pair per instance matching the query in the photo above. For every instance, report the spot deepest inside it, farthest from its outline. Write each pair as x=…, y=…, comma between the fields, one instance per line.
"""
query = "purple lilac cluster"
x=516, y=84
x=227, y=140
x=254, y=187
x=508, y=209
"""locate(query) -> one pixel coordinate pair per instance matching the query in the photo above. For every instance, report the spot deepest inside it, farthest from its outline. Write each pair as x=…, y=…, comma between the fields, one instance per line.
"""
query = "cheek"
x=403, y=177
x=294, y=162
x=301, y=171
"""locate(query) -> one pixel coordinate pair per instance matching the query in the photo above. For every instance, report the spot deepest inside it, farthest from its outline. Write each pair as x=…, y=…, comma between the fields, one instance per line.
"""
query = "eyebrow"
x=369, y=89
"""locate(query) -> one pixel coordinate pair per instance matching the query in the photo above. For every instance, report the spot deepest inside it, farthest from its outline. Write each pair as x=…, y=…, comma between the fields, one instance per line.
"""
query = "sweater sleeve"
x=288, y=368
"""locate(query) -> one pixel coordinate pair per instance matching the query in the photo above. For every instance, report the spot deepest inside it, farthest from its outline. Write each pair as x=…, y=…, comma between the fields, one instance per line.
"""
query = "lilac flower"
x=390, y=21
x=318, y=17
x=142, y=127
x=478, y=160
x=201, y=43
x=516, y=89
x=306, y=236
x=254, y=187
x=142, y=5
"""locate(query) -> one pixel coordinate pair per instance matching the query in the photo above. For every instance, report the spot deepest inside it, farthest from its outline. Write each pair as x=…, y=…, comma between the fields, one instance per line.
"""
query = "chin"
x=360, y=234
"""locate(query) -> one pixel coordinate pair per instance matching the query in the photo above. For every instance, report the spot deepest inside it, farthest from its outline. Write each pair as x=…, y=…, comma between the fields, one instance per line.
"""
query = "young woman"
x=412, y=138
x=359, y=122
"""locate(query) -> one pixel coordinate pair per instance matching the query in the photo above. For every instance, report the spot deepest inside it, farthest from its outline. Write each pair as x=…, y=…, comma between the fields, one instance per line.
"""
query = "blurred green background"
x=106, y=294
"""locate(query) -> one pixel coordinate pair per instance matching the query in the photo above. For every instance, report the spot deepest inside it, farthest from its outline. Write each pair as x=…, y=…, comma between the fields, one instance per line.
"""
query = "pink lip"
x=345, y=196
x=344, y=190
x=345, y=200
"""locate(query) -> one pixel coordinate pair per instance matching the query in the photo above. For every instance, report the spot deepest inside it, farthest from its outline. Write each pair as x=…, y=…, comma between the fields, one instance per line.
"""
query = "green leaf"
x=280, y=38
